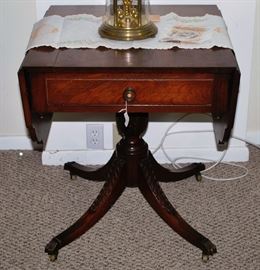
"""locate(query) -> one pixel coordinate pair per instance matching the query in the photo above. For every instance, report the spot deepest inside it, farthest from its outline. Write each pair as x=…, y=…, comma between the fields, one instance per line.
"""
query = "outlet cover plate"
x=95, y=136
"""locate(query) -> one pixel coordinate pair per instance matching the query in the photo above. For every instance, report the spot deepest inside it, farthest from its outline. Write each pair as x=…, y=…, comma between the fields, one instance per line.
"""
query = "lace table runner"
x=81, y=31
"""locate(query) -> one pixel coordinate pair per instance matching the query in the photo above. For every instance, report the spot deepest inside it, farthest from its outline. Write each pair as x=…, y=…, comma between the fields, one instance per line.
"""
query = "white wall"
x=16, y=19
x=254, y=97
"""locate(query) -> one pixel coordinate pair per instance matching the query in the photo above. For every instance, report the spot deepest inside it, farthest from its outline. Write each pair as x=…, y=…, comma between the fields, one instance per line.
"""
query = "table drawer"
x=154, y=92
x=66, y=92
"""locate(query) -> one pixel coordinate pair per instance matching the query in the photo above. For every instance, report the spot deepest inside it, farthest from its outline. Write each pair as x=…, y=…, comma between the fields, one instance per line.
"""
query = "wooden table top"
x=175, y=58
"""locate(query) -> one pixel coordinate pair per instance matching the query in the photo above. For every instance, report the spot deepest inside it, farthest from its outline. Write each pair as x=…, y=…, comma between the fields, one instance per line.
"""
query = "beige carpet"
x=37, y=202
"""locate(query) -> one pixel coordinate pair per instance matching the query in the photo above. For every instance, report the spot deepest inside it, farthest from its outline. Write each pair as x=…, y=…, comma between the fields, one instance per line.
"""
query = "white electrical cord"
x=167, y=131
x=220, y=160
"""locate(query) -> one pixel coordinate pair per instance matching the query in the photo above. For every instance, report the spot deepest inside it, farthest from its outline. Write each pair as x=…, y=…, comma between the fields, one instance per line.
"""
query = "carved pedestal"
x=132, y=165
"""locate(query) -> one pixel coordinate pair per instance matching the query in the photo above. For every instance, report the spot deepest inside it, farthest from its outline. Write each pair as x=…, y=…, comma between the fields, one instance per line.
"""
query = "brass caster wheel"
x=53, y=257
x=198, y=177
x=205, y=258
x=73, y=177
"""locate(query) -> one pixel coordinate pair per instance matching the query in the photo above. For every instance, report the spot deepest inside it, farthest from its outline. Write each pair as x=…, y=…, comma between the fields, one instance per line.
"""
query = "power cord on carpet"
x=220, y=160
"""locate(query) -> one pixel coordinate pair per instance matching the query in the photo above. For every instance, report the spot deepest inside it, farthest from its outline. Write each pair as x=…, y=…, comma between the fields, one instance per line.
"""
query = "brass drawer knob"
x=129, y=94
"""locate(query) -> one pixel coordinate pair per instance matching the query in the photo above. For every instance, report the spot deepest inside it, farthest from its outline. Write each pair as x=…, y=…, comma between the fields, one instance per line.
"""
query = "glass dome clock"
x=127, y=20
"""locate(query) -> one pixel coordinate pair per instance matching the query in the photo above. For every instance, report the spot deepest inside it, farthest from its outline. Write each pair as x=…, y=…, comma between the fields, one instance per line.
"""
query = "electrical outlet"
x=95, y=136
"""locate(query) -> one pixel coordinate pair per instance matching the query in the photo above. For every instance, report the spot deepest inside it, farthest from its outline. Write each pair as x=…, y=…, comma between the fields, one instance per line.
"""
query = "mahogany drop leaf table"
x=100, y=80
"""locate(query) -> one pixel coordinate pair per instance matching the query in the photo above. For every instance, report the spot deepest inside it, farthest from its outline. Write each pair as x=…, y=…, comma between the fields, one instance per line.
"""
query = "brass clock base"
x=111, y=32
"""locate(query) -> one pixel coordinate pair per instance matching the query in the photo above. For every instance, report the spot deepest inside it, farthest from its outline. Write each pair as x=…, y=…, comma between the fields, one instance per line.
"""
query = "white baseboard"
x=91, y=157
x=15, y=143
x=235, y=153
x=189, y=155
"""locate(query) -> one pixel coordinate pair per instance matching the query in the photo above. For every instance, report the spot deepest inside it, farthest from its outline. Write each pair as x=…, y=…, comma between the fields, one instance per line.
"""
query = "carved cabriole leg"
x=109, y=194
x=85, y=172
x=166, y=175
x=155, y=196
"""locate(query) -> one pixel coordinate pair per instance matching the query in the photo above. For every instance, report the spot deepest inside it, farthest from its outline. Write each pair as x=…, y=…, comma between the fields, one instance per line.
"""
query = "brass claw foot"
x=205, y=258
x=198, y=177
x=53, y=257
x=73, y=177
x=52, y=248
x=209, y=249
